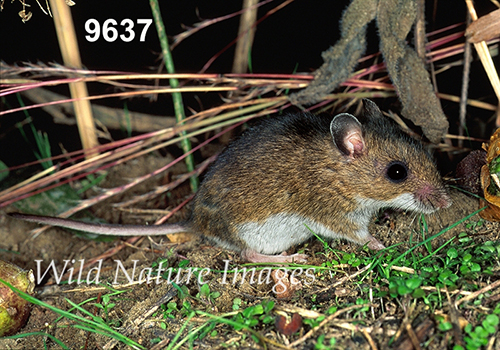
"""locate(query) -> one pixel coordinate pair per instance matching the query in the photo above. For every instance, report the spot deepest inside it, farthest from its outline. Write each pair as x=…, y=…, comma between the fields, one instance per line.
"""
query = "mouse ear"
x=347, y=135
x=371, y=109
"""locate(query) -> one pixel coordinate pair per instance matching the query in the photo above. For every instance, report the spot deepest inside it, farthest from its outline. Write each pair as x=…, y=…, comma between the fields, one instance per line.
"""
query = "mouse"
x=292, y=176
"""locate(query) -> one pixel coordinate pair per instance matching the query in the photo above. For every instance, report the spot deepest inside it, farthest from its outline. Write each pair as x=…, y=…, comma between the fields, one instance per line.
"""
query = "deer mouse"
x=293, y=175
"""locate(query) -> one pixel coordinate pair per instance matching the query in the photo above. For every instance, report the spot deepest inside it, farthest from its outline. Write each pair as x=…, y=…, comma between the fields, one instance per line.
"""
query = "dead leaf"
x=180, y=237
x=484, y=28
x=288, y=325
x=492, y=213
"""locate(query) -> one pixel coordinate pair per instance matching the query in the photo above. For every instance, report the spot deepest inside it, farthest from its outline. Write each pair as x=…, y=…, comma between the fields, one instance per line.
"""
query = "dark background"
x=290, y=40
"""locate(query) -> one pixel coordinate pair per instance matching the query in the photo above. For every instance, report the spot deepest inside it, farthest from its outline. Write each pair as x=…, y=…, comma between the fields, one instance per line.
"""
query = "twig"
x=471, y=296
x=465, y=88
x=457, y=330
x=369, y=338
x=246, y=33
x=413, y=337
x=214, y=57
x=326, y=321
x=406, y=325
x=342, y=280
x=113, y=118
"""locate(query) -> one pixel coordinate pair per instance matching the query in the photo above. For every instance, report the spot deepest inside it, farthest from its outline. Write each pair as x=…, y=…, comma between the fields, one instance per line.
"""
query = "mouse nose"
x=436, y=197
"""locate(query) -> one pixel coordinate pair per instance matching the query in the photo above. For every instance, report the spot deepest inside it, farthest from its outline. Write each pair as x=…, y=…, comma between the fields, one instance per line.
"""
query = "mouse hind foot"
x=253, y=256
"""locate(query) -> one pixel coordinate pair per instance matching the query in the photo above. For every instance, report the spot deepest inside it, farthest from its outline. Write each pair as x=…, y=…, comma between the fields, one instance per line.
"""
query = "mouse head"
x=385, y=167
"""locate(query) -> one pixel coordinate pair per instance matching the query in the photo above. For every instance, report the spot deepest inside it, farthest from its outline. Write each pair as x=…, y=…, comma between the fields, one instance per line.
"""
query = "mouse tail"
x=105, y=229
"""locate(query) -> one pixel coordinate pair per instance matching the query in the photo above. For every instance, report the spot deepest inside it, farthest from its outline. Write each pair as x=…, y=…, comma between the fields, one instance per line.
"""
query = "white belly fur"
x=281, y=231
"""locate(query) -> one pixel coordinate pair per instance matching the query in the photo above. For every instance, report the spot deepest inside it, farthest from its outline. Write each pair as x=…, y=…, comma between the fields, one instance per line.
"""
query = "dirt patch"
x=138, y=313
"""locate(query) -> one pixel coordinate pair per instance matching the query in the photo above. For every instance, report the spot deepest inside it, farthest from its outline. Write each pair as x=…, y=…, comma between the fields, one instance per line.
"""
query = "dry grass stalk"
x=260, y=94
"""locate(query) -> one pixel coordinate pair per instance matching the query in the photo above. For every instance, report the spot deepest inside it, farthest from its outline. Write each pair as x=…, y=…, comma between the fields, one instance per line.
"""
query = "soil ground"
x=384, y=322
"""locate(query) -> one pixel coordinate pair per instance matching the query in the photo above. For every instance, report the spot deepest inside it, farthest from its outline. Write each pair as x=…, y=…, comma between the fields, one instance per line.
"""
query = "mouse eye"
x=396, y=172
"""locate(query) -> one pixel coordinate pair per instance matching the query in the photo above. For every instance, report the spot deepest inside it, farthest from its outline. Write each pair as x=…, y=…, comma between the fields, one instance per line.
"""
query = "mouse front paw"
x=375, y=244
